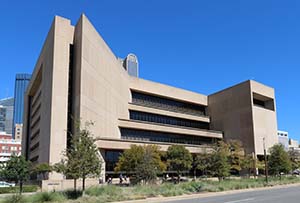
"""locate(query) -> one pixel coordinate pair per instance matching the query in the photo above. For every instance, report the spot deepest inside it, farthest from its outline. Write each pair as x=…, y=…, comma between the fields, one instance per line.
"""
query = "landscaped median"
x=113, y=193
x=26, y=188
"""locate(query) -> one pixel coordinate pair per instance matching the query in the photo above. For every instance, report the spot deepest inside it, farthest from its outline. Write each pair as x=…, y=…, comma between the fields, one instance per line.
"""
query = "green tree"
x=279, y=160
x=81, y=159
x=43, y=169
x=295, y=159
x=68, y=167
x=17, y=169
x=220, y=166
x=236, y=155
x=203, y=162
x=249, y=163
x=179, y=159
x=142, y=161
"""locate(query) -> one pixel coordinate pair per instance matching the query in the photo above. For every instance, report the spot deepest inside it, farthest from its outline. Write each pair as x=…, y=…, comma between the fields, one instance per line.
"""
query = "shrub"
x=72, y=194
x=168, y=190
x=146, y=190
x=14, y=199
x=47, y=197
x=110, y=190
x=191, y=187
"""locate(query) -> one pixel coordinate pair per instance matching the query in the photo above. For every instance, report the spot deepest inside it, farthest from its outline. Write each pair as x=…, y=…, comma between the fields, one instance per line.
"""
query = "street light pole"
x=266, y=162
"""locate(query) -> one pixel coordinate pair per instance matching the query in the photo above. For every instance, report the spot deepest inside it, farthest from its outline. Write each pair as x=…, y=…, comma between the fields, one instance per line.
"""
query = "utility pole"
x=266, y=162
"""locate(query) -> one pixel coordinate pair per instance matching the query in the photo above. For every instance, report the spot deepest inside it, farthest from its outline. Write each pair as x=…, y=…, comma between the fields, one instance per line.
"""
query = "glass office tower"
x=21, y=84
x=131, y=65
x=6, y=115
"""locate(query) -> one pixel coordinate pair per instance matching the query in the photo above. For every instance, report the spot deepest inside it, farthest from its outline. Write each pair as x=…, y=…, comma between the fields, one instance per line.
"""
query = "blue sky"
x=200, y=45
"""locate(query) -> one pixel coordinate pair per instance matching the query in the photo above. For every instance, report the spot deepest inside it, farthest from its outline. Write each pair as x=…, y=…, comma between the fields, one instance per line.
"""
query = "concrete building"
x=245, y=112
x=78, y=76
x=6, y=115
x=294, y=146
x=21, y=83
x=18, y=132
x=283, y=138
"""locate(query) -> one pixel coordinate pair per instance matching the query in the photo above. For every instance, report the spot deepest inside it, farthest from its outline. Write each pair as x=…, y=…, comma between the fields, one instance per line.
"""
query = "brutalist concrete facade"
x=77, y=76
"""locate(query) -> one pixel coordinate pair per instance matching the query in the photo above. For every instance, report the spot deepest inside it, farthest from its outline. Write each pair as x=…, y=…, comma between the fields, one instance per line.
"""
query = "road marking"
x=241, y=200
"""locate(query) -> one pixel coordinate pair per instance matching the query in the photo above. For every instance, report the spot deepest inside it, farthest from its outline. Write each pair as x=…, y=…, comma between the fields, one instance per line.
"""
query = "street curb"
x=207, y=194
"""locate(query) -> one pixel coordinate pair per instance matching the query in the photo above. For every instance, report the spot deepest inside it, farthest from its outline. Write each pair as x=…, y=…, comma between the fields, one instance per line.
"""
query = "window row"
x=143, y=135
x=167, y=104
x=12, y=148
x=154, y=118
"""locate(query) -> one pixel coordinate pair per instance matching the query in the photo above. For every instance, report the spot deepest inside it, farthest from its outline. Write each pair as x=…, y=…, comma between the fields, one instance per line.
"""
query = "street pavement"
x=289, y=194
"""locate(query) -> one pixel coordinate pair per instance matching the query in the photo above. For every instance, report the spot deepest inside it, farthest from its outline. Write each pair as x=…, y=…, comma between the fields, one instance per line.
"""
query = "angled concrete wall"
x=233, y=111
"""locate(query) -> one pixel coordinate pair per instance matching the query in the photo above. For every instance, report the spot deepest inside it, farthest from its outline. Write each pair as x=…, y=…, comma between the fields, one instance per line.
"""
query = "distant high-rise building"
x=21, y=84
x=131, y=65
x=6, y=115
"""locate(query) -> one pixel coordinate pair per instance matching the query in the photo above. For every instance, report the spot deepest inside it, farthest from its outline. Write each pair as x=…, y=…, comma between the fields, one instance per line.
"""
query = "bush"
x=72, y=194
x=26, y=188
x=110, y=190
x=14, y=199
x=47, y=197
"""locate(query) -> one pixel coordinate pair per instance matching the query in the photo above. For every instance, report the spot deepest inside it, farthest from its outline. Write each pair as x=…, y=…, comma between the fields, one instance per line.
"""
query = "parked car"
x=6, y=184
x=296, y=172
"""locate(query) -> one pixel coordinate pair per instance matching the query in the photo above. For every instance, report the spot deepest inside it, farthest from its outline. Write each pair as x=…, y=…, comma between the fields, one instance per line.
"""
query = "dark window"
x=34, y=147
x=35, y=134
x=259, y=102
x=111, y=159
x=34, y=159
x=34, y=124
x=168, y=120
x=143, y=135
x=70, y=116
x=263, y=101
x=167, y=104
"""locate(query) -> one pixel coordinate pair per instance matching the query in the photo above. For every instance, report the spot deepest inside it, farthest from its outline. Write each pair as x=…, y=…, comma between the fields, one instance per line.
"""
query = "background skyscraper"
x=6, y=115
x=21, y=84
x=131, y=65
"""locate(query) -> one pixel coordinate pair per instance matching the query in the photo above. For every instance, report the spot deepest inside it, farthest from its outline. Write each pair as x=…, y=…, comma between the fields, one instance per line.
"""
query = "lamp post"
x=266, y=162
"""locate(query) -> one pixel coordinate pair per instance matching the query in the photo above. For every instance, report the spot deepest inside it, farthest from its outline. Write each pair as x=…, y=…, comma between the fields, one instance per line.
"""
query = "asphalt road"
x=278, y=195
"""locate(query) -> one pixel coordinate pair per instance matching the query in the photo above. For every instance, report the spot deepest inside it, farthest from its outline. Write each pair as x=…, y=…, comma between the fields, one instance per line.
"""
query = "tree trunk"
x=75, y=184
x=21, y=187
x=83, y=184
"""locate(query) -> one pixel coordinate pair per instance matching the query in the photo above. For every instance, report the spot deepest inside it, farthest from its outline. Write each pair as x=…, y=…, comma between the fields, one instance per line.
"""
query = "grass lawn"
x=115, y=193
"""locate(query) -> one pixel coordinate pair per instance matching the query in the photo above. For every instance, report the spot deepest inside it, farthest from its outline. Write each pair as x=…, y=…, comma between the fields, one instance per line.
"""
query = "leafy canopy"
x=295, y=159
x=220, y=166
x=81, y=158
x=43, y=169
x=279, y=160
x=236, y=155
x=17, y=169
x=142, y=161
x=203, y=162
x=179, y=159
